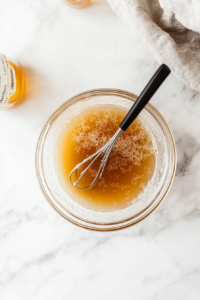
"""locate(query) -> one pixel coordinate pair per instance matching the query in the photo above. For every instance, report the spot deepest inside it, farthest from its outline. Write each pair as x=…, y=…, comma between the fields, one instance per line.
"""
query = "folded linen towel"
x=171, y=31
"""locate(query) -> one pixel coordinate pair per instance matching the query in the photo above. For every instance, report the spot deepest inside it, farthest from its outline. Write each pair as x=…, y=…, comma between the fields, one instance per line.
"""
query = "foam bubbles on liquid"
x=129, y=150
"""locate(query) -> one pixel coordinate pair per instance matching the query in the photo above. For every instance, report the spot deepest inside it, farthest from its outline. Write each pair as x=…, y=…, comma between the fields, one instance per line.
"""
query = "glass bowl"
x=111, y=220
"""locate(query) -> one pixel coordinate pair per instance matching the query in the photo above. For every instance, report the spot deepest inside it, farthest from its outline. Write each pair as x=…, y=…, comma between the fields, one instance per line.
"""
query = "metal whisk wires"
x=106, y=149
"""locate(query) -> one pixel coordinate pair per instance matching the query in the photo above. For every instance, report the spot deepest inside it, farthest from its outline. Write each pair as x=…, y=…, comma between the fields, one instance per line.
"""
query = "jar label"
x=7, y=80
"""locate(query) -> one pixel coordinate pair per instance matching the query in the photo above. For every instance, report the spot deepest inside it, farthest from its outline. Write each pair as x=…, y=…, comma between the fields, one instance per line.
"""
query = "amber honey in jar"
x=11, y=83
x=130, y=167
x=77, y=3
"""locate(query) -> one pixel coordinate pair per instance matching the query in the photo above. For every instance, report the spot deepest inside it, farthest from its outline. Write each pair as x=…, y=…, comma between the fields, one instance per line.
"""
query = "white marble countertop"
x=42, y=256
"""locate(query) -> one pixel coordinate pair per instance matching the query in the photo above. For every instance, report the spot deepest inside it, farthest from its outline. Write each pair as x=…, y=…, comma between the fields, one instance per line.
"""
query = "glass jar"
x=99, y=220
x=11, y=83
x=77, y=3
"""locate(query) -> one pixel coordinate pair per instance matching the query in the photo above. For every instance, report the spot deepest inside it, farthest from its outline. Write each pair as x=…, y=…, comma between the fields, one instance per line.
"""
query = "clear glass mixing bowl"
x=98, y=220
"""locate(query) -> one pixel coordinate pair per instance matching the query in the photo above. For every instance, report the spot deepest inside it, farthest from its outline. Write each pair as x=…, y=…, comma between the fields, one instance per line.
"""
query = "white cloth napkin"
x=171, y=31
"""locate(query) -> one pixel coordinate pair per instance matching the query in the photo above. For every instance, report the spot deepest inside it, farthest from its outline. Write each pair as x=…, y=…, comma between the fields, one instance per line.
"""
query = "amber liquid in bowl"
x=129, y=169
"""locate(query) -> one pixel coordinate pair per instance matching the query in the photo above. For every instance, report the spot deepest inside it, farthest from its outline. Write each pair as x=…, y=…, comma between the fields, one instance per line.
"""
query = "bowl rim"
x=53, y=117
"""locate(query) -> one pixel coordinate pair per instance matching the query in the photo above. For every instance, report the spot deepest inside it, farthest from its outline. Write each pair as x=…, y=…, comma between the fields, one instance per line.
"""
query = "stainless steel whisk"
x=145, y=96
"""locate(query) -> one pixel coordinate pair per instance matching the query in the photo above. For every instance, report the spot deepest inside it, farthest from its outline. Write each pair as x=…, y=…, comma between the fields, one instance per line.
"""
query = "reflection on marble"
x=42, y=256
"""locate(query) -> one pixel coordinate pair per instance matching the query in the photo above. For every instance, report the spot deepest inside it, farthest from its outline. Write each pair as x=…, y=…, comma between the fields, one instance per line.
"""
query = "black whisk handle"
x=152, y=86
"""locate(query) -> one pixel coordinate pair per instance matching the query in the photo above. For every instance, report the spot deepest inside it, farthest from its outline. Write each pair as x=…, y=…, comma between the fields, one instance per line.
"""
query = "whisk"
x=145, y=96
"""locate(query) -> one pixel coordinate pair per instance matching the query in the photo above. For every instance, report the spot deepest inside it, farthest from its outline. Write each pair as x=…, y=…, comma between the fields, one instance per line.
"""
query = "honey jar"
x=77, y=3
x=11, y=83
